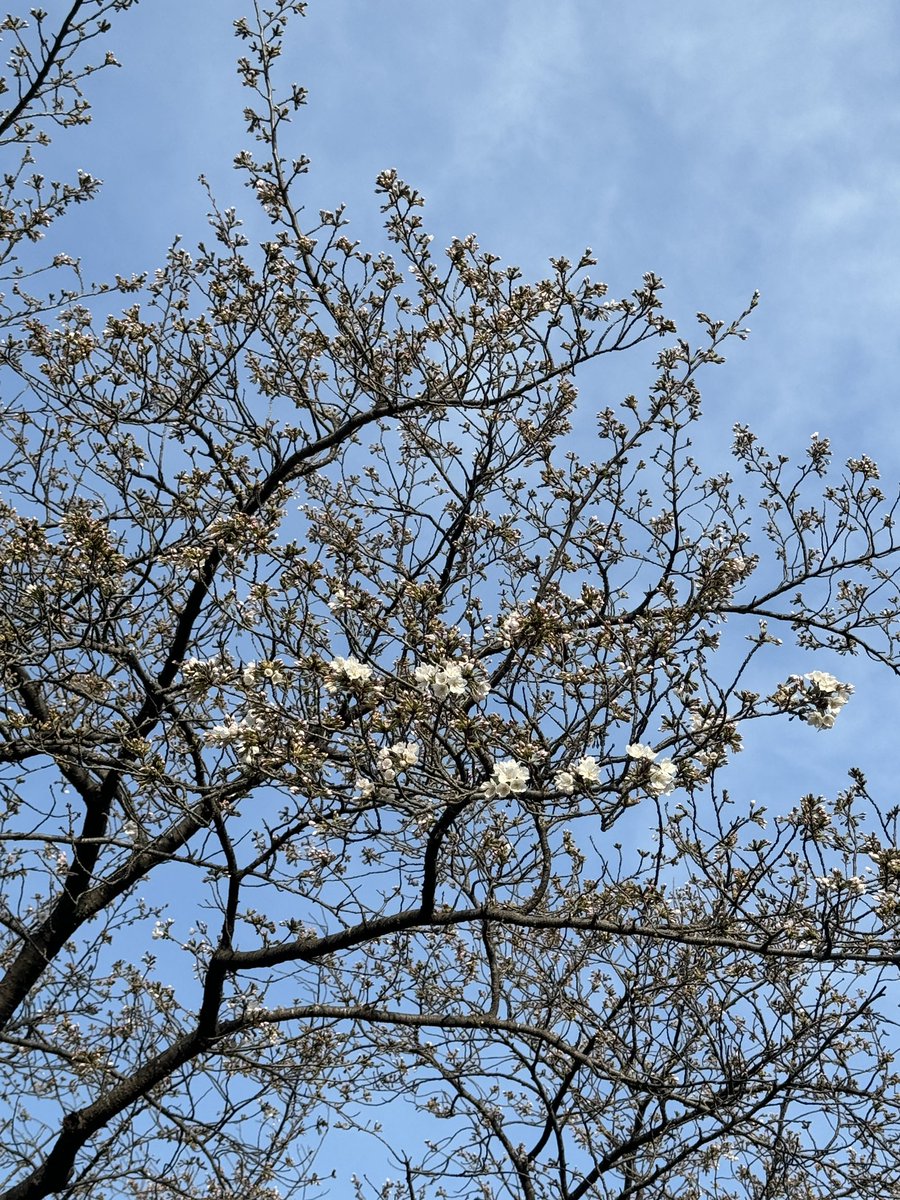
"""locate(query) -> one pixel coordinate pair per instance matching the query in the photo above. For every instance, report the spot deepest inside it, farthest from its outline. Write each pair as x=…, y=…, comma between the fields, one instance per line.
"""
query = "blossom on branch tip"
x=639, y=751
x=509, y=777
x=511, y=626
x=347, y=670
x=828, y=695
x=451, y=679
x=662, y=777
x=587, y=769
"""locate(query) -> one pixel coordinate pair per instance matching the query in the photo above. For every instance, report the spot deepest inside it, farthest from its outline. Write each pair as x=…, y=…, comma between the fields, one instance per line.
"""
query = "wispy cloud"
x=530, y=74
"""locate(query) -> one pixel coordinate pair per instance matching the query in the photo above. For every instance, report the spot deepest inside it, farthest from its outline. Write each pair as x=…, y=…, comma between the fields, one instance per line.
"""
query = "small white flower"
x=587, y=769
x=564, y=782
x=639, y=751
x=662, y=777
x=222, y=735
x=424, y=674
x=386, y=767
x=347, y=670
x=448, y=681
x=452, y=679
x=823, y=681
x=509, y=777
x=511, y=626
x=820, y=720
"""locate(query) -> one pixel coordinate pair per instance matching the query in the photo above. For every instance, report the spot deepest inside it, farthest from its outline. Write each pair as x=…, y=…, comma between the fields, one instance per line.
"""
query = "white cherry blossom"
x=662, y=777
x=509, y=778
x=640, y=751
x=347, y=670
x=452, y=678
x=587, y=769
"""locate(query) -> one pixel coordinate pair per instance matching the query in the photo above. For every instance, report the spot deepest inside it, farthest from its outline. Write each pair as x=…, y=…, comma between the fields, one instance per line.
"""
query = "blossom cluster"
x=820, y=696
x=511, y=626
x=661, y=775
x=389, y=762
x=347, y=672
x=836, y=881
x=586, y=770
x=247, y=735
x=392, y=759
x=266, y=671
x=829, y=696
x=509, y=778
x=452, y=678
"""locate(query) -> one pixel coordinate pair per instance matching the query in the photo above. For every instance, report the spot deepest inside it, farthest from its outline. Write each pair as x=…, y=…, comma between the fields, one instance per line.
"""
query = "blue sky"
x=725, y=147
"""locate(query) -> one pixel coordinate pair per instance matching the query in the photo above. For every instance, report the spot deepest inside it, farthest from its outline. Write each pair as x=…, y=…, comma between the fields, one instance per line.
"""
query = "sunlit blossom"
x=587, y=769
x=640, y=751
x=509, y=778
x=347, y=670
x=662, y=777
x=452, y=678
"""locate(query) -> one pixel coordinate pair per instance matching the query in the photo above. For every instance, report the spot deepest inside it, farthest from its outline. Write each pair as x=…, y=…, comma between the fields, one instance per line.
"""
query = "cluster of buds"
x=267, y=671
x=200, y=675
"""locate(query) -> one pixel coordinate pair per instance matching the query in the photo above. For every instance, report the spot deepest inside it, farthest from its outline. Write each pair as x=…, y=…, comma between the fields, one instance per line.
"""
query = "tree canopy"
x=368, y=706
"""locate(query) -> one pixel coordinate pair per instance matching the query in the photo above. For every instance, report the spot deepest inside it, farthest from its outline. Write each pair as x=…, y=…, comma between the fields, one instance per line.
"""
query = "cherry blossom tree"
x=368, y=701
